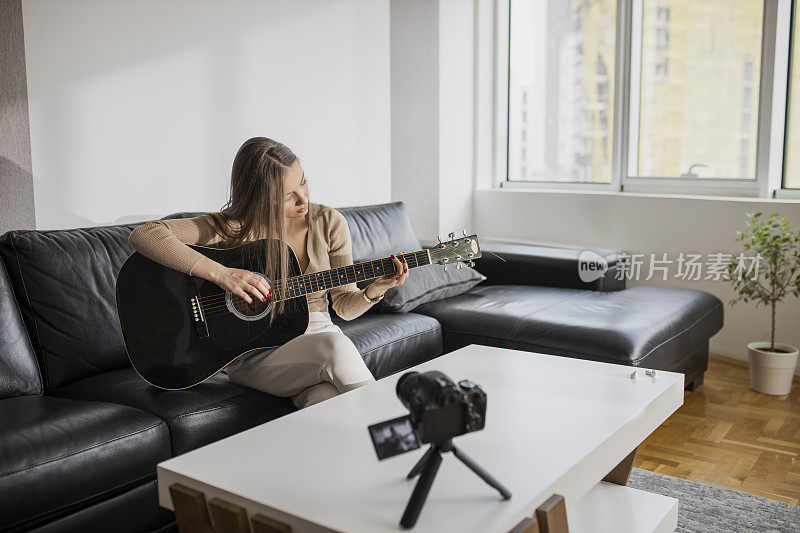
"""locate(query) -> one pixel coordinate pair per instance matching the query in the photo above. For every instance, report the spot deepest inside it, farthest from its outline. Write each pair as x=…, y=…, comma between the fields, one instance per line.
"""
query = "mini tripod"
x=427, y=467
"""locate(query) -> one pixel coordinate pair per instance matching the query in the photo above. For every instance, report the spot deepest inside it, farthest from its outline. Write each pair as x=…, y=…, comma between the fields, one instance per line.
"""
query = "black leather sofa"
x=81, y=433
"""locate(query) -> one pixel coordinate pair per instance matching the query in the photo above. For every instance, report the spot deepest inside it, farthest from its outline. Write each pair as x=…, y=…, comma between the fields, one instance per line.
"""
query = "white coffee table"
x=554, y=425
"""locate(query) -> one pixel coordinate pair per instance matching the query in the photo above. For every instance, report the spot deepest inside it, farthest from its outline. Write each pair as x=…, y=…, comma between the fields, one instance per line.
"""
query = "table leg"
x=227, y=518
x=620, y=474
x=190, y=509
x=552, y=515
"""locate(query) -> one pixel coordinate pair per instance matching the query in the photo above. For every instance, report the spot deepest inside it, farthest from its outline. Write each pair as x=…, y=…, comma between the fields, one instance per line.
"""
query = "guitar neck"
x=336, y=277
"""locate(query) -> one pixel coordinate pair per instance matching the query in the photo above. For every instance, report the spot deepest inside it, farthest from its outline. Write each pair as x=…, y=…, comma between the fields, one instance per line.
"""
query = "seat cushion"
x=207, y=412
x=649, y=326
x=58, y=454
x=393, y=342
x=134, y=511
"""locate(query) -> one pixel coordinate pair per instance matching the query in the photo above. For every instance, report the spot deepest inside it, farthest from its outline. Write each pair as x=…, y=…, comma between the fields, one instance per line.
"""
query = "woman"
x=269, y=198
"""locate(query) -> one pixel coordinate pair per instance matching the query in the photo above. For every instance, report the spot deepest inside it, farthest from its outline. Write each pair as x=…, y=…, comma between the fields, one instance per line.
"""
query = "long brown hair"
x=255, y=207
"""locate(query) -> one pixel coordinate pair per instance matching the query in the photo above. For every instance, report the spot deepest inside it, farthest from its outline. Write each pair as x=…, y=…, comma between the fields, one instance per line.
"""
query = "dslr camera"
x=441, y=409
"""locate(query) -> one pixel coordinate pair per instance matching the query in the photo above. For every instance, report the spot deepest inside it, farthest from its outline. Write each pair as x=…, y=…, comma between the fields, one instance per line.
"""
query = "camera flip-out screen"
x=393, y=437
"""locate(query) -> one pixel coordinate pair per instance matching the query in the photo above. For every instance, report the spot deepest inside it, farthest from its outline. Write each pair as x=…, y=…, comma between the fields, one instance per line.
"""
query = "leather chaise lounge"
x=81, y=433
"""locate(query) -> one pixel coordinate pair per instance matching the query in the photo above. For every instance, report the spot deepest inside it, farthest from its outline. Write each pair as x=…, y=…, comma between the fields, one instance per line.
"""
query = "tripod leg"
x=420, y=464
x=421, y=490
x=483, y=474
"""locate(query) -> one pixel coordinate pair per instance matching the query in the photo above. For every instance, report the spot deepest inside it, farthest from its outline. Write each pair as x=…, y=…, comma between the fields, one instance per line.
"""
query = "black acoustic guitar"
x=180, y=330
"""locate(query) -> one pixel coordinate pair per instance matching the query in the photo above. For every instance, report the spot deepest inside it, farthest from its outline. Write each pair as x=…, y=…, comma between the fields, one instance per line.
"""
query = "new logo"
x=591, y=266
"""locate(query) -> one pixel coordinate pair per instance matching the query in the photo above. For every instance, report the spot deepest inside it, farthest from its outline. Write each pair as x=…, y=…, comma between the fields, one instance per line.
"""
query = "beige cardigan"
x=329, y=246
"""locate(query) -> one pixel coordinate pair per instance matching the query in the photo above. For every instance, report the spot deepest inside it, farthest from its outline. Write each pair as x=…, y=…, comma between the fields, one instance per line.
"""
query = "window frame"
x=771, y=132
x=784, y=191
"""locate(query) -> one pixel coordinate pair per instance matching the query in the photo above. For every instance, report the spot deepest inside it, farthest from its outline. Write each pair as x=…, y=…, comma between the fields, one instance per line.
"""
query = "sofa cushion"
x=19, y=371
x=549, y=266
x=58, y=454
x=648, y=326
x=65, y=283
x=378, y=231
x=429, y=283
x=138, y=508
x=207, y=412
x=390, y=343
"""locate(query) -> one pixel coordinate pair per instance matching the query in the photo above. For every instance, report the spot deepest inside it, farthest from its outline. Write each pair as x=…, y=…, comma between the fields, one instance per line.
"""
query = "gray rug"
x=707, y=509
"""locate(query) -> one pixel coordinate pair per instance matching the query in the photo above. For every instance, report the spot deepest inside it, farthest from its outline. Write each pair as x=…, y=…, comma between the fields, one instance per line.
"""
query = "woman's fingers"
x=252, y=289
x=241, y=294
x=403, y=273
x=262, y=285
x=257, y=286
x=398, y=267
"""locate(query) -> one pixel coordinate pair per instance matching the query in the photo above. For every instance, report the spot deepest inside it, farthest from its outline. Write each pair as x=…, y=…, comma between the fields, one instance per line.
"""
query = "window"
x=791, y=175
x=650, y=95
x=561, y=90
x=698, y=93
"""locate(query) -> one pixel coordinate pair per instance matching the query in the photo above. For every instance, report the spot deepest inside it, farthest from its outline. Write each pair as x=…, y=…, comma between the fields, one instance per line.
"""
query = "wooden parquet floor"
x=726, y=434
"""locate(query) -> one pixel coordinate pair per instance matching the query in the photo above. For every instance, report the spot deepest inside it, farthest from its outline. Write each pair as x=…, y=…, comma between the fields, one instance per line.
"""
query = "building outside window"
x=695, y=77
x=561, y=91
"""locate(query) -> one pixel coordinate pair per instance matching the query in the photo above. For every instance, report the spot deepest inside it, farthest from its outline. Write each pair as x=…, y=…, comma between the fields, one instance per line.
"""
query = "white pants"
x=317, y=365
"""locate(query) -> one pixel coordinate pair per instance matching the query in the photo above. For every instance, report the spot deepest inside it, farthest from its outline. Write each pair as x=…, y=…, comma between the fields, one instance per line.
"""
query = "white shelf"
x=609, y=508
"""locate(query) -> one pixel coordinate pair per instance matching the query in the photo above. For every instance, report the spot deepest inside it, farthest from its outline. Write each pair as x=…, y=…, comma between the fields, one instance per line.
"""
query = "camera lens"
x=406, y=386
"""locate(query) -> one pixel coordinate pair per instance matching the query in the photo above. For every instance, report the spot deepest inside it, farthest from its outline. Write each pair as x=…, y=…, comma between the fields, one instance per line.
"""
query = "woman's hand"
x=384, y=283
x=241, y=282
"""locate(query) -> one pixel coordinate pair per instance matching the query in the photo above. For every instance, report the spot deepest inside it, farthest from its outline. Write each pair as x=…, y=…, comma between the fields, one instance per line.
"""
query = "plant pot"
x=771, y=372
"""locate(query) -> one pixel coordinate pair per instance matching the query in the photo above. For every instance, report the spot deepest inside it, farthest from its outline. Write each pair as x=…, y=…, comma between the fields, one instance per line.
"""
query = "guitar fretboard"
x=327, y=279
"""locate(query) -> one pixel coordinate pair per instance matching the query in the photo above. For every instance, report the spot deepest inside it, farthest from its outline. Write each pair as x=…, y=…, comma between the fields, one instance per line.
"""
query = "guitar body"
x=180, y=330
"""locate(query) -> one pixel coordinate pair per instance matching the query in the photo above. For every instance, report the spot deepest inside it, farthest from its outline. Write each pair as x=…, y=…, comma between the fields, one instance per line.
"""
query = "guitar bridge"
x=199, y=317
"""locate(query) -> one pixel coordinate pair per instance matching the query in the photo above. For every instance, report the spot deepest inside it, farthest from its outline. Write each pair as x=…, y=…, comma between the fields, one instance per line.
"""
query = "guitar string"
x=223, y=309
x=320, y=281
x=222, y=303
x=314, y=277
x=209, y=310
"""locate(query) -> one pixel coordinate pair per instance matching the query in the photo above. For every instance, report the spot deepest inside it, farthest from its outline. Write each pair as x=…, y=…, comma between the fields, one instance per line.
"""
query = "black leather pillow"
x=429, y=284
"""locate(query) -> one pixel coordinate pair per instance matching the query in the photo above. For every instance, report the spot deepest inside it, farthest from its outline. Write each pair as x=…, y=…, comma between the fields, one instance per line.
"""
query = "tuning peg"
x=439, y=239
x=459, y=266
x=451, y=235
x=465, y=232
x=445, y=266
x=471, y=264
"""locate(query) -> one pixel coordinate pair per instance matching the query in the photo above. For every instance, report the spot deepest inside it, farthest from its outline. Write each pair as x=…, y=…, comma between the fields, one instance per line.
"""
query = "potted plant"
x=775, y=249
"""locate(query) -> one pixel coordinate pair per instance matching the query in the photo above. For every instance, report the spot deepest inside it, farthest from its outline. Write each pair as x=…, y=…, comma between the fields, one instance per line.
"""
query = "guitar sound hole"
x=248, y=309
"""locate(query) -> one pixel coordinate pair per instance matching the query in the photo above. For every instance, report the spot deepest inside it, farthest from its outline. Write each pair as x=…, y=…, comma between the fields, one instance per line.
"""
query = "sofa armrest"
x=546, y=266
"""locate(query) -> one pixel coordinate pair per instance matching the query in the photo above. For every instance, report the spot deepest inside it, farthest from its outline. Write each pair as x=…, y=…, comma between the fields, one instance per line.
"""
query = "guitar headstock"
x=456, y=250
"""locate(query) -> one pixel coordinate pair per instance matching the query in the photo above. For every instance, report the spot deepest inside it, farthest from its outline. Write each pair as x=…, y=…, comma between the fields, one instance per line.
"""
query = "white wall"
x=137, y=107
x=433, y=79
x=456, y=114
x=415, y=111
x=640, y=223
